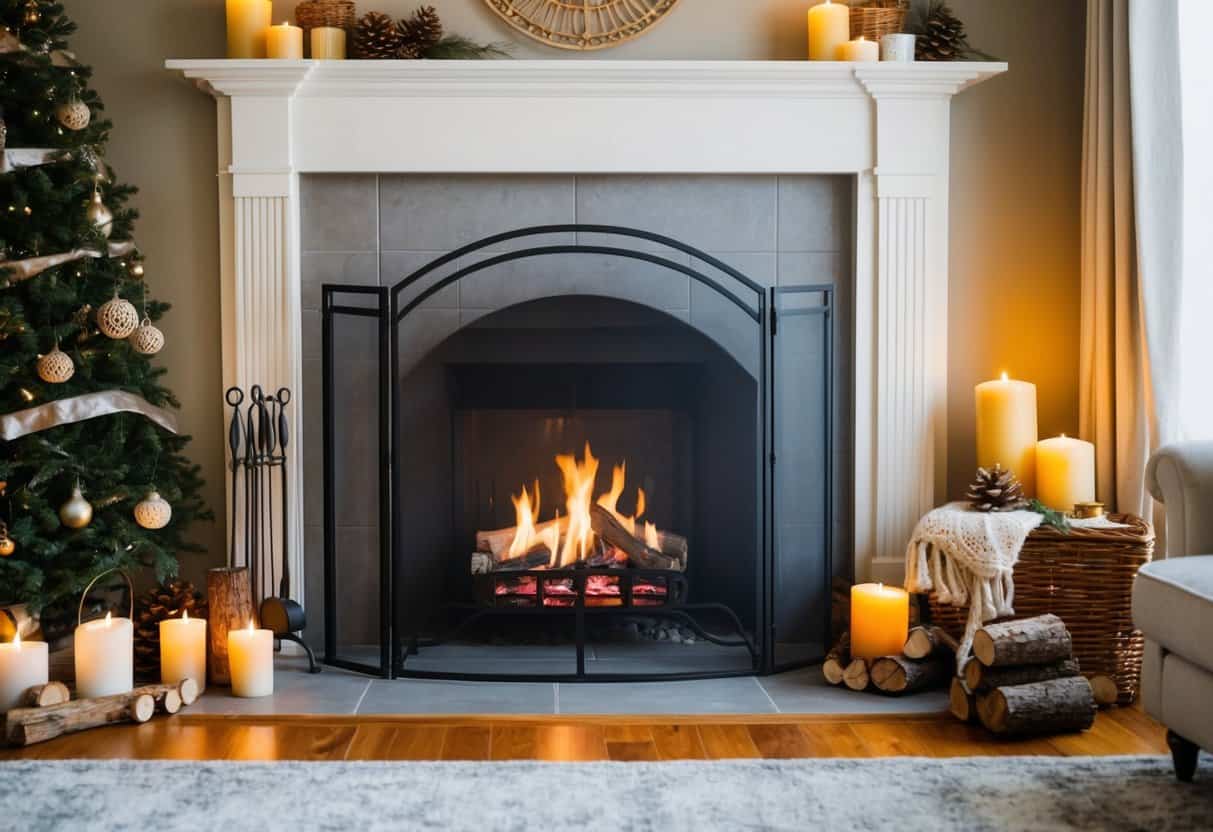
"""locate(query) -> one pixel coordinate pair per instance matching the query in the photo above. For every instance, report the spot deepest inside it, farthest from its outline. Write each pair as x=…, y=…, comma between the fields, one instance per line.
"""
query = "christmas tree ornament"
x=135, y=270
x=147, y=339
x=3, y=135
x=158, y=604
x=30, y=15
x=7, y=544
x=77, y=512
x=377, y=37
x=99, y=215
x=56, y=366
x=996, y=489
x=74, y=114
x=153, y=511
x=420, y=32
x=117, y=318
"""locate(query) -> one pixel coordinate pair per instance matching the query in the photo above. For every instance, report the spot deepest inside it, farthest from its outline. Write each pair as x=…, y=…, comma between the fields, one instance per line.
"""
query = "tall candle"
x=328, y=43
x=1065, y=472
x=860, y=49
x=251, y=654
x=105, y=657
x=284, y=42
x=880, y=620
x=247, y=21
x=829, y=28
x=21, y=667
x=1006, y=428
x=183, y=650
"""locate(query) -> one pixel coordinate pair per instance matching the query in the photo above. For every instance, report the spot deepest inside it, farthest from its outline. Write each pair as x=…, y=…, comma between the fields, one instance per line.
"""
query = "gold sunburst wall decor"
x=582, y=24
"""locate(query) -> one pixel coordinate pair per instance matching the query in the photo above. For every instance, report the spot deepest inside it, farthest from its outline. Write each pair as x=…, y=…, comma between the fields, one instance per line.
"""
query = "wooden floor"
x=1118, y=731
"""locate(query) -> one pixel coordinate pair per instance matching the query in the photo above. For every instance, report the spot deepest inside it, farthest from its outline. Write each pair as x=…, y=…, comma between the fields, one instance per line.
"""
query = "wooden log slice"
x=608, y=527
x=26, y=726
x=1038, y=640
x=836, y=660
x=230, y=596
x=52, y=693
x=961, y=703
x=923, y=641
x=980, y=678
x=856, y=675
x=899, y=675
x=1054, y=707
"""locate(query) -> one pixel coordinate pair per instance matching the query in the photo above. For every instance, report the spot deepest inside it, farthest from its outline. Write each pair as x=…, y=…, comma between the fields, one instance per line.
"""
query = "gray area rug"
x=971, y=793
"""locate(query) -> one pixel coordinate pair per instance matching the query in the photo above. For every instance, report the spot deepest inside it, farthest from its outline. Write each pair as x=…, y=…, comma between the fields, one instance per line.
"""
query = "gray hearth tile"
x=740, y=695
x=313, y=575
x=338, y=212
x=518, y=281
x=805, y=691
x=415, y=696
x=444, y=212
x=397, y=265
x=759, y=266
x=421, y=332
x=718, y=213
x=332, y=691
x=814, y=213
x=805, y=268
x=726, y=324
x=317, y=268
x=357, y=556
x=311, y=440
x=648, y=284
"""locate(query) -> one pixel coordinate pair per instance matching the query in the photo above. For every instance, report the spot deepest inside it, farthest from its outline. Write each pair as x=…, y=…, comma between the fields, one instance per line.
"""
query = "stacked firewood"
x=50, y=711
x=1023, y=679
x=925, y=662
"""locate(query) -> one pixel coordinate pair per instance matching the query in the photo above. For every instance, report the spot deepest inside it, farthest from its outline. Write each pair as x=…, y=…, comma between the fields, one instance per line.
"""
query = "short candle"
x=105, y=657
x=880, y=620
x=247, y=21
x=183, y=650
x=829, y=28
x=22, y=666
x=860, y=49
x=328, y=43
x=1065, y=472
x=251, y=654
x=284, y=42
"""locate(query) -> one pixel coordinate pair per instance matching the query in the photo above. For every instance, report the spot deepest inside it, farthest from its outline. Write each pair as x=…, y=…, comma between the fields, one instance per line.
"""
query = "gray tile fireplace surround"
x=374, y=230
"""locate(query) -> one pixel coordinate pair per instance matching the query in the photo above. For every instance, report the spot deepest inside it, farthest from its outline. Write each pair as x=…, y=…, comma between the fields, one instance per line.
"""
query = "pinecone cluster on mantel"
x=941, y=34
x=379, y=36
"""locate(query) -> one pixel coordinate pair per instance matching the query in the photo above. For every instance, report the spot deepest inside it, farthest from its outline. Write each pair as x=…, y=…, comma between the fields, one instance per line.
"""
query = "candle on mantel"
x=22, y=666
x=247, y=21
x=829, y=28
x=1006, y=428
x=183, y=650
x=880, y=620
x=284, y=42
x=328, y=43
x=105, y=657
x=1065, y=472
x=860, y=49
x=251, y=654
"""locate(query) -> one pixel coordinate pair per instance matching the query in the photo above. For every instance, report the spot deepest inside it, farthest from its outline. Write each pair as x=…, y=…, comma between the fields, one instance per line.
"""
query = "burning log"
x=608, y=527
x=536, y=557
x=497, y=542
x=674, y=546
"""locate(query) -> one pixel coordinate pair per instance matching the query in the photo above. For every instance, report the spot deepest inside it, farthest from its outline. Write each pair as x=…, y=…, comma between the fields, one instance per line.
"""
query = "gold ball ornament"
x=74, y=114
x=77, y=512
x=56, y=366
x=147, y=339
x=117, y=318
x=99, y=215
x=153, y=511
x=7, y=546
x=31, y=15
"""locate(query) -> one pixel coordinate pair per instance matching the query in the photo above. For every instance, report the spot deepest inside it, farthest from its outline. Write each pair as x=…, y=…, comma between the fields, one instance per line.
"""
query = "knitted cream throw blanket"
x=966, y=557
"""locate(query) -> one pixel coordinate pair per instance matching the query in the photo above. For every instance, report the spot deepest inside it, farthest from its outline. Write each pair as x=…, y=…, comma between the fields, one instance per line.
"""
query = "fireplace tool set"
x=257, y=439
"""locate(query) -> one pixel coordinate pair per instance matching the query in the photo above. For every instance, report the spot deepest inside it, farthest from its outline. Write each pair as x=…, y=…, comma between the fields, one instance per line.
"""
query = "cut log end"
x=900, y=675
x=923, y=641
x=836, y=660
x=961, y=703
x=142, y=707
x=856, y=675
x=188, y=690
x=42, y=696
x=1104, y=689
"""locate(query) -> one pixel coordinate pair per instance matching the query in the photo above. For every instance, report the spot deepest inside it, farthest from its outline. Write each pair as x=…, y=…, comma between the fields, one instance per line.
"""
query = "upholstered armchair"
x=1173, y=604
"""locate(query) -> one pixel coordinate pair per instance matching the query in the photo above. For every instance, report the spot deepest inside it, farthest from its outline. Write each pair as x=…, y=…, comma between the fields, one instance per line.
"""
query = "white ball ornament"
x=153, y=511
x=147, y=339
x=74, y=114
x=99, y=215
x=77, y=512
x=117, y=318
x=56, y=366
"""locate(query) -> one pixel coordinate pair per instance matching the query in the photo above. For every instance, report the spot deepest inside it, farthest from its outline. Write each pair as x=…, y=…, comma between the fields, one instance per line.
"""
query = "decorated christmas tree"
x=92, y=474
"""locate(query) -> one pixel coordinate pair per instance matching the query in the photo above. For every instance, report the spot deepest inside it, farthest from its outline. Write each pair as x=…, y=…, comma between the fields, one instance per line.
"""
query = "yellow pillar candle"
x=251, y=654
x=105, y=657
x=247, y=21
x=21, y=667
x=880, y=620
x=859, y=50
x=829, y=28
x=1006, y=428
x=1065, y=472
x=183, y=650
x=284, y=42
x=328, y=43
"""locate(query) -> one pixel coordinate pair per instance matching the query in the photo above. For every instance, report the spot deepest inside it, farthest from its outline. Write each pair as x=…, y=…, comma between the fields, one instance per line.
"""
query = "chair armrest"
x=1180, y=475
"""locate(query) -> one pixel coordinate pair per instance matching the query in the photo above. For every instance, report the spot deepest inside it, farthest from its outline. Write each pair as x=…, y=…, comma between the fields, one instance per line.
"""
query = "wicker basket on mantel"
x=874, y=19
x=338, y=14
x=1086, y=578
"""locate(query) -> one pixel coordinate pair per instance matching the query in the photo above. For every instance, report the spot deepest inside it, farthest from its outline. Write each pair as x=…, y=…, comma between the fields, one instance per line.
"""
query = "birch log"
x=899, y=675
x=1053, y=707
x=26, y=726
x=1038, y=640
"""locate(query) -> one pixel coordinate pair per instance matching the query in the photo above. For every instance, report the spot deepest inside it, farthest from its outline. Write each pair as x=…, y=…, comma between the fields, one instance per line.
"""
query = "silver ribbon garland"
x=9, y=43
x=20, y=270
x=79, y=408
x=31, y=157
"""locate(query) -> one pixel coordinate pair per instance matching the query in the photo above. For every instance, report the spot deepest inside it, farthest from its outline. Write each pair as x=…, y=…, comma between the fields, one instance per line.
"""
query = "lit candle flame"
x=108, y=618
x=1004, y=375
x=185, y=615
x=17, y=641
x=250, y=625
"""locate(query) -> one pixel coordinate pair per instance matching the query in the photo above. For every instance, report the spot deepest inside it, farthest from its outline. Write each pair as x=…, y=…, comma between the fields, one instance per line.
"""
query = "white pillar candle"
x=1006, y=428
x=22, y=666
x=247, y=21
x=251, y=654
x=183, y=650
x=829, y=28
x=105, y=657
x=897, y=47
x=284, y=42
x=860, y=49
x=1065, y=472
x=328, y=43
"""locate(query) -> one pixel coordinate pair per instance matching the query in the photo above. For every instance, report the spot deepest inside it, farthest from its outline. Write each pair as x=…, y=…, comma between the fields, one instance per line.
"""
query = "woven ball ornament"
x=74, y=114
x=117, y=318
x=153, y=511
x=56, y=367
x=147, y=339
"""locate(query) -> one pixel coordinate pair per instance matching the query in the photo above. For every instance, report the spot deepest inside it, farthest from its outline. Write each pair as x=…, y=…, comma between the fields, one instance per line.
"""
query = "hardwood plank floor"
x=624, y=738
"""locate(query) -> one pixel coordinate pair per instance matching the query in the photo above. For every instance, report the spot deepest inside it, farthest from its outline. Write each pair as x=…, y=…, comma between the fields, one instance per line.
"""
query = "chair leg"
x=1183, y=754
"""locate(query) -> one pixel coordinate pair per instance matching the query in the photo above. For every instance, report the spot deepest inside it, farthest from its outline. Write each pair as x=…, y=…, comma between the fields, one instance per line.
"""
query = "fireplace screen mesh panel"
x=579, y=486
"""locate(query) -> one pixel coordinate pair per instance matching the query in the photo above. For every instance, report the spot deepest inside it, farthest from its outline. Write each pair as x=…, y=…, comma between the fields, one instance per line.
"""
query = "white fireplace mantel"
x=885, y=123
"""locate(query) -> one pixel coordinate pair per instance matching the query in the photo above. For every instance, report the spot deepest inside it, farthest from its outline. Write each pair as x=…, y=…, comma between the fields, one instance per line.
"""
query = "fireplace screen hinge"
x=774, y=321
x=772, y=459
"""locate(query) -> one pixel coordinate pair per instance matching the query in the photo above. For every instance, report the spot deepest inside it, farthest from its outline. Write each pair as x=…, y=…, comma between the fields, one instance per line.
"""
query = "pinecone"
x=996, y=489
x=942, y=38
x=156, y=605
x=377, y=37
x=419, y=33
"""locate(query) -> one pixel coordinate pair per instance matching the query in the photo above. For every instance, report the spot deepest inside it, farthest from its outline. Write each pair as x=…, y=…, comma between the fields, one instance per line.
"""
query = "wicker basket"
x=339, y=14
x=876, y=18
x=1086, y=578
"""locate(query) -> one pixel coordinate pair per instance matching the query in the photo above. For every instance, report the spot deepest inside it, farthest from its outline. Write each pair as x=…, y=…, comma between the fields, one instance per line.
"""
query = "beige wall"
x=1015, y=144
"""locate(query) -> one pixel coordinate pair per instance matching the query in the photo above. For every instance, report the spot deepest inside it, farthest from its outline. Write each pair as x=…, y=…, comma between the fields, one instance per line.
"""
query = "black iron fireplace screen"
x=793, y=432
